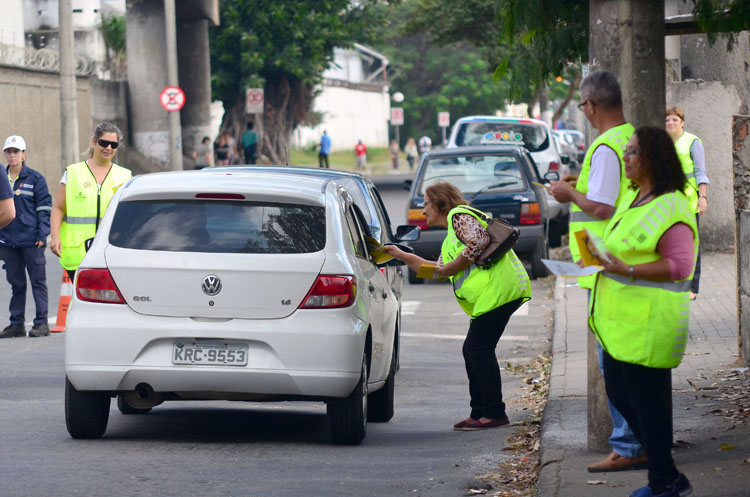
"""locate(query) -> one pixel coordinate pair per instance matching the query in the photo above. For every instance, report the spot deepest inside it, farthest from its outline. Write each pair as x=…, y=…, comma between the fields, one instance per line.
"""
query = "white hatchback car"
x=231, y=286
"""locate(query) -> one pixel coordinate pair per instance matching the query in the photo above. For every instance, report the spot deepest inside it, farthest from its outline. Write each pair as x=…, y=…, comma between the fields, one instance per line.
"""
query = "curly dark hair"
x=659, y=160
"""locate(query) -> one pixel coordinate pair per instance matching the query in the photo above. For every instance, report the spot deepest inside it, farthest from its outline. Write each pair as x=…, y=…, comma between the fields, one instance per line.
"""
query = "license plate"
x=210, y=353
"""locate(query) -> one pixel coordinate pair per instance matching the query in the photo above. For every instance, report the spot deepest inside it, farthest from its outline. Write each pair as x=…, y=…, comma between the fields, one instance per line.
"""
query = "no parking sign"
x=172, y=98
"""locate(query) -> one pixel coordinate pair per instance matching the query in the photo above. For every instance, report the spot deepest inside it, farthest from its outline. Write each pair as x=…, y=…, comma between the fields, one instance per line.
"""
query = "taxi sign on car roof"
x=502, y=138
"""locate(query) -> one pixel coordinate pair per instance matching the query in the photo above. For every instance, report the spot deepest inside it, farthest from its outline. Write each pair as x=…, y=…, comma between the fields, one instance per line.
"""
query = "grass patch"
x=378, y=160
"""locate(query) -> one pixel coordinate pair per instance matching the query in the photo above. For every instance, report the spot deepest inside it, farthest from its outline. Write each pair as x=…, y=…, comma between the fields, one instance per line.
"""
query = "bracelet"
x=703, y=196
x=631, y=271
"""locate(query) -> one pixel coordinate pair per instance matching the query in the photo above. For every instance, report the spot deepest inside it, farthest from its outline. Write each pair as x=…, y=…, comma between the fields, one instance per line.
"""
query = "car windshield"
x=474, y=173
x=534, y=136
x=218, y=227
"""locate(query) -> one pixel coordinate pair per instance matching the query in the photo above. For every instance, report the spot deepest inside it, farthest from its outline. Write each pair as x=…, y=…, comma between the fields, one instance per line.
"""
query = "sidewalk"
x=710, y=396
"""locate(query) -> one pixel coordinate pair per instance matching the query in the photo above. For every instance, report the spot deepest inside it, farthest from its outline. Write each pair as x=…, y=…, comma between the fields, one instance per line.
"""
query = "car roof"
x=303, y=171
x=500, y=119
x=262, y=185
x=475, y=150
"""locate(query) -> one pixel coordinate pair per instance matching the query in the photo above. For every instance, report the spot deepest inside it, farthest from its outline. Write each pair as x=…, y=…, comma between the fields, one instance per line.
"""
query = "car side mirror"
x=407, y=184
x=565, y=159
x=408, y=233
x=552, y=176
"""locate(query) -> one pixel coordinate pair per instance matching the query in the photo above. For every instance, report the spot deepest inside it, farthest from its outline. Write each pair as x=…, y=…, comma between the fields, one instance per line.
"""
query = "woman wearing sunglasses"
x=83, y=197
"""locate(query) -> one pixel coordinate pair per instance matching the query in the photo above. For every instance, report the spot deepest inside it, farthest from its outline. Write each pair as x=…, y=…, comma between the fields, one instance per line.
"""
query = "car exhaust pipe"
x=143, y=397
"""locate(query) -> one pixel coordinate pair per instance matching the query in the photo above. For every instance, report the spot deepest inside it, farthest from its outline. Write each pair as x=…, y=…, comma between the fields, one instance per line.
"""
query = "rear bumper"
x=315, y=353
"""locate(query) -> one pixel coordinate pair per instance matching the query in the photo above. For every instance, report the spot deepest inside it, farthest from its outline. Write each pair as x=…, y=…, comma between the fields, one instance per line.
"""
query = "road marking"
x=507, y=338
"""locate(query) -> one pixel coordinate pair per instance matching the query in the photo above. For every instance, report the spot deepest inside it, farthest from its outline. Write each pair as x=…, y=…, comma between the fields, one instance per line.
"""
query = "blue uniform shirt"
x=325, y=144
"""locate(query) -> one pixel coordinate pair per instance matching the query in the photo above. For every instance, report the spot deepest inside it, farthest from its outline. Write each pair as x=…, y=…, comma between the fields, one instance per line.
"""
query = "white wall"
x=11, y=23
x=350, y=115
x=346, y=66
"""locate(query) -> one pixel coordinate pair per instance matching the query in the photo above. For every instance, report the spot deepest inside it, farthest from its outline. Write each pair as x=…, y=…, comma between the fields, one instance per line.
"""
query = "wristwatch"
x=703, y=196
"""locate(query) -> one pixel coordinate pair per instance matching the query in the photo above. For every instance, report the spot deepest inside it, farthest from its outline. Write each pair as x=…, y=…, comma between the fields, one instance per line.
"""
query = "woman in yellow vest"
x=490, y=296
x=693, y=158
x=640, y=305
x=83, y=196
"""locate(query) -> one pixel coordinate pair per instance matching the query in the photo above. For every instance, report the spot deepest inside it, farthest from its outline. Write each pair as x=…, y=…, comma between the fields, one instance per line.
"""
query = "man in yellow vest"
x=600, y=188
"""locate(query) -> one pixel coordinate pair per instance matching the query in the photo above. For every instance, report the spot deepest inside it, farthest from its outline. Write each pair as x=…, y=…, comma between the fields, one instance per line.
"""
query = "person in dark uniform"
x=22, y=242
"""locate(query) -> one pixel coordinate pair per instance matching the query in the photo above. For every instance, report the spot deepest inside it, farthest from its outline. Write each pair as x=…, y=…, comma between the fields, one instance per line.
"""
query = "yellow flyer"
x=427, y=272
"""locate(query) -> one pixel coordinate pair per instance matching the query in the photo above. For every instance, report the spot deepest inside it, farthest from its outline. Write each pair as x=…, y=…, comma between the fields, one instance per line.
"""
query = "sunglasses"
x=107, y=143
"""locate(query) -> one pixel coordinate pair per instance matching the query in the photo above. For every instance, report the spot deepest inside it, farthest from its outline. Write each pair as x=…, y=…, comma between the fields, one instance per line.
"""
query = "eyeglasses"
x=107, y=143
x=580, y=106
x=631, y=151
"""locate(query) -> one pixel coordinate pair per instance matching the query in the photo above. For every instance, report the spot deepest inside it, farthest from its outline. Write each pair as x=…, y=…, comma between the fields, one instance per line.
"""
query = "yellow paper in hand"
x=427, y=272
x=587, y=258
x=376, y=250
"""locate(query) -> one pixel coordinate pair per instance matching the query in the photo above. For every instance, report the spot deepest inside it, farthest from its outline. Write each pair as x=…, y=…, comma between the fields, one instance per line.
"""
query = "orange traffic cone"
x=66, y=293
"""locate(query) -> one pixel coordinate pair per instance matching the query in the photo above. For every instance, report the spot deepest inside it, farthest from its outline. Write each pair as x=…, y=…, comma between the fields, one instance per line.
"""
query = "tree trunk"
x=571, y=93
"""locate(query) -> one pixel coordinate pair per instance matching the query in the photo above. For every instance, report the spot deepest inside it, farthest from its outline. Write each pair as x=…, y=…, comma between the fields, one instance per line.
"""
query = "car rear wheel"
x=556, y=233
x=86, y=413
x=538, y=269
x=347, y=417
x=413, y=280
x=380, y=409
x=126, y=408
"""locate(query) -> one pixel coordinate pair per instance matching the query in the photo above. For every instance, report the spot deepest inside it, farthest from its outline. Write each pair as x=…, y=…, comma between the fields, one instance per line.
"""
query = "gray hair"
x=602, y=88
x=99, y=131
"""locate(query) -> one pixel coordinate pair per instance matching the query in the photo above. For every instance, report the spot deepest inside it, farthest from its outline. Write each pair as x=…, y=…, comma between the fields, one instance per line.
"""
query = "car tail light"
x=330, y=292
x=382, y=270
x=97, y=285
x=416, y=218
x=221, y=196
x=530, y=213
x=580, y=147
x=554, y=166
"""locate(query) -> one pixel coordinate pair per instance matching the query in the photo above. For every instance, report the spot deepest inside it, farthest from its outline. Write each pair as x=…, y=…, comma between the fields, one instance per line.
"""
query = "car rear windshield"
x=474, y=173
x=534, y=136
x=218, y=227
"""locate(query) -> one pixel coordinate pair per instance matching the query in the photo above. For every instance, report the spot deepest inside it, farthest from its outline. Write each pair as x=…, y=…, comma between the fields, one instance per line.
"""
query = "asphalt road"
x=275, y=449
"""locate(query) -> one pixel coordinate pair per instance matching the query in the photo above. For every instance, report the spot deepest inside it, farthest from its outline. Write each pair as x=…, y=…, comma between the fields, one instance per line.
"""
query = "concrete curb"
x=550, y=453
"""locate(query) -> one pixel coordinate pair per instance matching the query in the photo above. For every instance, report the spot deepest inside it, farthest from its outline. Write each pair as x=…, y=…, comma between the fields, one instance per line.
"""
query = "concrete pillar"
x=147, y=77
x=627, y=39
x=68, y=88
x=672, y=45
x=194, y=60
x=741, y=160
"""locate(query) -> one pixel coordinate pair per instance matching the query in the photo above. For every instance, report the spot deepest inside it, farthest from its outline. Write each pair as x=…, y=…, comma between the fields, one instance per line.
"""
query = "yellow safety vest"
x=85, y=205
x=642, y=321
x=477, y=290
x=682, y=145
x=615, y=138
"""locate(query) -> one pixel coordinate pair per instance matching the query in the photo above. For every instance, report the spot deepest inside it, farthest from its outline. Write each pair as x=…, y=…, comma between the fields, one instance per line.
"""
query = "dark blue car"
x=500, y=180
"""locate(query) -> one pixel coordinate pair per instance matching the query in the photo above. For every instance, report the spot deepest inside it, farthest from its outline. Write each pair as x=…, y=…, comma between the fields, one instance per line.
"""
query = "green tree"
x=722, y=16
x=283, y=47
x=113, y=30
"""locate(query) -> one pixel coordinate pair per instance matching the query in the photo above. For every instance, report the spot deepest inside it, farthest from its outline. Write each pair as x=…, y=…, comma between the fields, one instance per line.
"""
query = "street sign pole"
x=175, y=129
x=444, y=120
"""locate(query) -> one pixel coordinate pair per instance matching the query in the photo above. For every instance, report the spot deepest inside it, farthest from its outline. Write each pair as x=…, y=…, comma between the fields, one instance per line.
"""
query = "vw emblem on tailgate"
x=211, y=285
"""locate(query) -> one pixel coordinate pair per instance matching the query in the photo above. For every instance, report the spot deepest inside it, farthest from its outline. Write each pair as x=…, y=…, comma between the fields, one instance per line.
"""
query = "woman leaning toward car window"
x=83, y=196
x=640, y=305
x=489, y=296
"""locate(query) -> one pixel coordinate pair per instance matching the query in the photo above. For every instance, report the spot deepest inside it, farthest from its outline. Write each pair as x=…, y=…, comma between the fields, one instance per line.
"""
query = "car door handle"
x=371, y=288
x=385, y=295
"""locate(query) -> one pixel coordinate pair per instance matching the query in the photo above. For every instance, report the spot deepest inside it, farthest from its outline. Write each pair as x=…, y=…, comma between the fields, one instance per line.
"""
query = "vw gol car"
x=231, y=286
x=500, y=180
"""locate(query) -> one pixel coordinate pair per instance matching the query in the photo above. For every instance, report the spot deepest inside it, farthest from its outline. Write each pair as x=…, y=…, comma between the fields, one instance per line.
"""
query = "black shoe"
x=39, y=330
x=13, y=330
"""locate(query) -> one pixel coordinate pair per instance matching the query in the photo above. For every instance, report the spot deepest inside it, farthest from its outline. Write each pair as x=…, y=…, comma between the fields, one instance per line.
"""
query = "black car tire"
x=538, y=269
x=380, y=408
x=126, y=408
x=86, y=413
x=413, y=280
x=347, y=417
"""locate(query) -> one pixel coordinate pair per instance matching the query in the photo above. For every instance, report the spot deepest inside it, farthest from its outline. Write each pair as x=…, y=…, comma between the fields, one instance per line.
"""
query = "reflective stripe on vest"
x=477, y=290
x=82, y=197
x=615, y=138
x=682, y=146
x=641, y=321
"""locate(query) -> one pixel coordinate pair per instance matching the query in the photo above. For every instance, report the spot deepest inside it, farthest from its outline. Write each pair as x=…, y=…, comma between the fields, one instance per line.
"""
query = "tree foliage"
x=283, y=47
x=722, y=16
x=113, y=31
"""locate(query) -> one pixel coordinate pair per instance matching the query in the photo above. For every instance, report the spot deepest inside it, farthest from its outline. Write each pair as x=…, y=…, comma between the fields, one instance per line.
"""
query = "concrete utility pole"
x=627, y=39
x=170, y=32
x=68, y=100
x=741, y=165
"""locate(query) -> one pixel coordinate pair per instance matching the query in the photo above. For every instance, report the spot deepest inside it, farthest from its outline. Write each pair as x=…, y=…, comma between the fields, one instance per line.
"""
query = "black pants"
x=696, y=283
x=19, y=261
x=644, y=397
x=323, y=158
x=485, y=386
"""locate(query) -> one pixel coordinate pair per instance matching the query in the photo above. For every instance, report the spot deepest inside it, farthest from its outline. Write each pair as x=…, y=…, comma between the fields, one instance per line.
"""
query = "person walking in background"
x=425, y=144
x=600, y=188
x=411, y=152
x=83, y=196
x=325, y=150
x=221, y=149
x=234, y=156
x=204, y=155
x=250, y=144
x=360, y=150
x=22, y=241
x=640, y=309
x=693, y=159
x=393, y=148
x=489, y=296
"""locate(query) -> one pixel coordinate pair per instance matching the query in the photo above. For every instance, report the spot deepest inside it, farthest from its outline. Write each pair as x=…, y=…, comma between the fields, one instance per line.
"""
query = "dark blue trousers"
x=19, y=261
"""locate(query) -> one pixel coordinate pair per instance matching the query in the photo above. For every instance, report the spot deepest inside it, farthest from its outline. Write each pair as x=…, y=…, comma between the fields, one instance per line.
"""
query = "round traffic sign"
x=172, y=98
